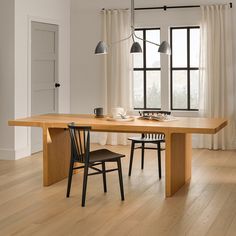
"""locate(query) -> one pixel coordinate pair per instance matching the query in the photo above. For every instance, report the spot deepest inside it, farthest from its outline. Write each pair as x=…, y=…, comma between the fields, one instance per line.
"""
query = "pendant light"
x=164, y=47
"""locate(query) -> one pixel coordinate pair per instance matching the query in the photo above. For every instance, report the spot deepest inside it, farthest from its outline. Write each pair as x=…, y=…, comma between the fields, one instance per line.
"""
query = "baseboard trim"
x=7, y=154
x=37, y=148
x=23, y=152
x=11, y=155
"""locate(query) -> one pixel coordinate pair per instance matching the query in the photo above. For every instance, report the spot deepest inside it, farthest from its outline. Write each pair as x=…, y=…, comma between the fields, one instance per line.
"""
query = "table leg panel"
x=178, y=161
x=56, y=155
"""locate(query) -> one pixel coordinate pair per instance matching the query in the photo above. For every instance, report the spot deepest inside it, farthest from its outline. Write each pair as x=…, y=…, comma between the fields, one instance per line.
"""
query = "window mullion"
x=171, y=70
x=144, y=69
x=188, y=67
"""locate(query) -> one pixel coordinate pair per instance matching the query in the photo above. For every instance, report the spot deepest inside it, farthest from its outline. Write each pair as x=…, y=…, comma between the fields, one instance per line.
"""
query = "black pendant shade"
x=136, y=48
x=101, y=48
x=165, y=48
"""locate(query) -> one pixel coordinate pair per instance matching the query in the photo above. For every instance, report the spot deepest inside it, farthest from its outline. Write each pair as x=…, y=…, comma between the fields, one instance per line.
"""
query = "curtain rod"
x=171, y=7
x=167, y=7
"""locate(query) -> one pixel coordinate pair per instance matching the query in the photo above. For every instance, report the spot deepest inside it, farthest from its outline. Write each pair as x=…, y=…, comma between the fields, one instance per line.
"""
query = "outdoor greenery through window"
x=147, y=79
x=185, y=45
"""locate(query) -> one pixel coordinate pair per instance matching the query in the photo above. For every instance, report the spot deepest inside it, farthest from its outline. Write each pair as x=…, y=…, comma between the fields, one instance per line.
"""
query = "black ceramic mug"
x=98, y=112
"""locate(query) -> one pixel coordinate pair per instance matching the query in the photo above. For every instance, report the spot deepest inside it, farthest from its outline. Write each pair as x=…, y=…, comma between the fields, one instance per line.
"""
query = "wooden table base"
x=56, y=155
x=56, y=158
x=178, y=161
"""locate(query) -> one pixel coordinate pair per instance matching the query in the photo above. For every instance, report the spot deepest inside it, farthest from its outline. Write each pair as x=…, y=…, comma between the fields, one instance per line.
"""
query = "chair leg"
x=85, y=183
x=120, y=179
x=142, y=161
x=159, y=158
x=131, y=157
x=70, y=177
x=104, y=177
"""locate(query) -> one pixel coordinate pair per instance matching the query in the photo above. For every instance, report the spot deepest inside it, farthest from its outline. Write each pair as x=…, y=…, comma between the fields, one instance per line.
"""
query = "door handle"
x=57, y=85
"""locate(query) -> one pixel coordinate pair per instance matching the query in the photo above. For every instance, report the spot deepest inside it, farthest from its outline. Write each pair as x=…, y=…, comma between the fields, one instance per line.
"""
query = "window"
x=185, y=45
x=182, y=90
x=147, y=79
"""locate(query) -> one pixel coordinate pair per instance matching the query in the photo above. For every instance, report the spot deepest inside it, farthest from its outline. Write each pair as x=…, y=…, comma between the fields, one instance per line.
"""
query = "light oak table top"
x=180, y=125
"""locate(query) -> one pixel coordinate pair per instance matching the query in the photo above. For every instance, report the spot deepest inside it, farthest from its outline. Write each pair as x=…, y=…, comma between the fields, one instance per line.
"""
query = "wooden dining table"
x=178, y=141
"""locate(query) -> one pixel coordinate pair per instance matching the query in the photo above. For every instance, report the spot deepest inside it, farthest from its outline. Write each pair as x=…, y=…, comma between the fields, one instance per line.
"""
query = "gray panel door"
x=44, y=75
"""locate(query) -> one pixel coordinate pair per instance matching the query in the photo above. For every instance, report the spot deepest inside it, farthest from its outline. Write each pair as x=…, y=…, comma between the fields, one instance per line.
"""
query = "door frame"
x=46, y=21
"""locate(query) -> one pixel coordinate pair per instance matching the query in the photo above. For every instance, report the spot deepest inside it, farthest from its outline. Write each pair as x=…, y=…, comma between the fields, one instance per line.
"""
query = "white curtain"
x=117, y=67
x=217, y=93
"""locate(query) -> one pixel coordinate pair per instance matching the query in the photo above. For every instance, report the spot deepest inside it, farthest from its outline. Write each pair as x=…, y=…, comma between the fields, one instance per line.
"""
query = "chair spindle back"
x=80, y=142
x=151, y=113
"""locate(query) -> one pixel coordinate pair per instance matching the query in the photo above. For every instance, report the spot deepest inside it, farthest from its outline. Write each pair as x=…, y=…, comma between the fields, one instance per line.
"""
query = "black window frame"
x=188, y=69
x=145, y=69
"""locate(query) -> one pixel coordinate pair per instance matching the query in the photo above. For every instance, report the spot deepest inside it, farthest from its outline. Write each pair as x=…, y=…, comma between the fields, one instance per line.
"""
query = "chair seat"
x=146, y=140
x=104, y=155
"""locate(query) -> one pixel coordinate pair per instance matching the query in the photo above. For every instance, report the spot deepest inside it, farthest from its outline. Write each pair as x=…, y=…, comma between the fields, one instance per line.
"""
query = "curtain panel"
x=217, y=86
x=117, y=71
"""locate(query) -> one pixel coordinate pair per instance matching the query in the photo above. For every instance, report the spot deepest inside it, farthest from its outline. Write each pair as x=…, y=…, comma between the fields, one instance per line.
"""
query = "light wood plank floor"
x=207, y=206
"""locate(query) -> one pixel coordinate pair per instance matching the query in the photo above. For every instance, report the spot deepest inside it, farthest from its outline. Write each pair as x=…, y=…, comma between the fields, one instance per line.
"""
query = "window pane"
x=138, y=89
x=179, y=81
x=153, y=89
x=138, y=57
x=194, y=47
x=152, y=57
x=179, y=47
x=194, y=89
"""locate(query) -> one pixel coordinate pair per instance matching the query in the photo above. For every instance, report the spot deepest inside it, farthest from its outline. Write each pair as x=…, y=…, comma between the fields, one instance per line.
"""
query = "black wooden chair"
x=80, y=153
x=156, y=139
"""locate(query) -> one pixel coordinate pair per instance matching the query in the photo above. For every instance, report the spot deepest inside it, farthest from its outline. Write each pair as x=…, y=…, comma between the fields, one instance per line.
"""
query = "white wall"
x=49, y=11
x=6, y=76
x=16, y=74
x=86, y=78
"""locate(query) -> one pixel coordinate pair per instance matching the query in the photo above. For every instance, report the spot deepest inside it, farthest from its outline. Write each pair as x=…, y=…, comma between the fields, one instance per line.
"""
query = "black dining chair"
x=80, y=153
x=146, y=138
